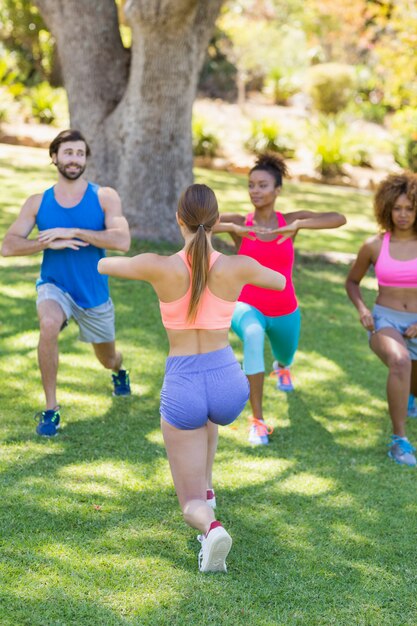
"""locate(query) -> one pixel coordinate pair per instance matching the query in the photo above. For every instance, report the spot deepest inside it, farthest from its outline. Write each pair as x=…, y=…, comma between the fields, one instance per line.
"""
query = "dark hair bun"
x=270, y=160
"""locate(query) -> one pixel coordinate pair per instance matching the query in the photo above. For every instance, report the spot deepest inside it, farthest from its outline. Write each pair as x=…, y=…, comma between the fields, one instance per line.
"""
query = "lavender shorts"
x=202, y=387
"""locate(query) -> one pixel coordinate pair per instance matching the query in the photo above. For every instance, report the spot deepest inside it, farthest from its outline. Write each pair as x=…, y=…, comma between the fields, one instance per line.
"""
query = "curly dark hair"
x=272, y=163
x=388, y=192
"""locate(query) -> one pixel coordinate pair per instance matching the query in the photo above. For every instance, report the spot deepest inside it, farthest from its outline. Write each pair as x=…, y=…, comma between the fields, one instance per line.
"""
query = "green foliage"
x=267, y=135
x=405, y=152
x=326, y=138
x=47, y=104
x=205, y=141
x=281, y=86
x=395, y=52
x=24, y=33
x=404, y=126
x=330, y=86
x=6, y=101
x=368, y=101
x=218, y=75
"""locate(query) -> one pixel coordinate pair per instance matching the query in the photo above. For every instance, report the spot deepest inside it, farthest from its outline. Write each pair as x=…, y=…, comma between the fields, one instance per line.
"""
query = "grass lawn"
x=324, y=525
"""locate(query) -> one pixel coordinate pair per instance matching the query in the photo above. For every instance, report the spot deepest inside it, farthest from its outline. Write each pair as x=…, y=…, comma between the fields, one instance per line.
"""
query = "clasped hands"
x=287, y=231
x=59, y=238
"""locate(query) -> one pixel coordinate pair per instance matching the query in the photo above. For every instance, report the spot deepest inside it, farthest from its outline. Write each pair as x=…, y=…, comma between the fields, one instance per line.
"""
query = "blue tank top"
x=74, y=271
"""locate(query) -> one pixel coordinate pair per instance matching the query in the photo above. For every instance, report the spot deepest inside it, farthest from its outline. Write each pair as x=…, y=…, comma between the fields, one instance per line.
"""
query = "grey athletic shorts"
x=384, y=317
x=96, y=324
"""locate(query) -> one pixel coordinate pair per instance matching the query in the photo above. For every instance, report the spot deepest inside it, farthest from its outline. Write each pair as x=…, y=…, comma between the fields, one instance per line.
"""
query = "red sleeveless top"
x=278, y=257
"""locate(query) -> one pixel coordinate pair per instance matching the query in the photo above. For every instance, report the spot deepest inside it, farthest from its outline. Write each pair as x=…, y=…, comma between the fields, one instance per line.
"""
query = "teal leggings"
x=283, y=332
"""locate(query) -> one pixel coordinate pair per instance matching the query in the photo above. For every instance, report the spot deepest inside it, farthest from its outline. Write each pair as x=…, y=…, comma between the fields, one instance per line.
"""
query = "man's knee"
x=50, y=326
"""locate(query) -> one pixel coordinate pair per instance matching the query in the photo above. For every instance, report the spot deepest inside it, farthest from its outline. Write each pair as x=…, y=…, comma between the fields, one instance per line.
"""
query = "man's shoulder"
x=109, y=199
x=34, y=202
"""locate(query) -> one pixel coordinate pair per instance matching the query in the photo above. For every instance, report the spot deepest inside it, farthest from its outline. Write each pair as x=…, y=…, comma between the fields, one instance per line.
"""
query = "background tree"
x=134, y=105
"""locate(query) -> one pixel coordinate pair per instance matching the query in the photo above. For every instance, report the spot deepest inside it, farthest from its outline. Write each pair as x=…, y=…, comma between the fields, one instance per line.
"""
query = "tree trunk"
x=135, y=108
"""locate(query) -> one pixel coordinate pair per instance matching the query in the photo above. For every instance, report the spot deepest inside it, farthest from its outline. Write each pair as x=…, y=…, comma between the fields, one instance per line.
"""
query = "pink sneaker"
x=211, y=498
x=284, y=382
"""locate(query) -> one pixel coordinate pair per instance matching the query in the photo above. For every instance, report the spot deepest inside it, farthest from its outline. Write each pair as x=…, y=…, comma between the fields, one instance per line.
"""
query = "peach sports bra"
x=392, y=272
x=213, y=313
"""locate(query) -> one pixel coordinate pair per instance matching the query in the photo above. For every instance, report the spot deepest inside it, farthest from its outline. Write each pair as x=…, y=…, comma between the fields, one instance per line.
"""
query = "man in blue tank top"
x=77, y=221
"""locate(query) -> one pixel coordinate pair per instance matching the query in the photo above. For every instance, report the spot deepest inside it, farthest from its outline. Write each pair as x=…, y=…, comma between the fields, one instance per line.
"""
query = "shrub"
x=266, y=135
x=330, y=86
x=281, y=86
x=327, y=139
x=45, y=102
x=5, y=101
x=405, y=152
x=404, y=126
x=205, y=141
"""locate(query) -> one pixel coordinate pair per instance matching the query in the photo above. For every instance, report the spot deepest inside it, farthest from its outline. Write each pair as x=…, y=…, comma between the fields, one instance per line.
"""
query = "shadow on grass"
x=91, y=517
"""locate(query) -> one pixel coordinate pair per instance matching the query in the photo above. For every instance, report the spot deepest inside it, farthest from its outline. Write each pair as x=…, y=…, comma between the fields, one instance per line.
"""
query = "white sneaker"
x=211, y=498
x=214, y=550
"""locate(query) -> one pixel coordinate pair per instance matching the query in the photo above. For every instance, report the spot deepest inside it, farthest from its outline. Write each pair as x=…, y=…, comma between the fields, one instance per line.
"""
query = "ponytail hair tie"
x=201, y=225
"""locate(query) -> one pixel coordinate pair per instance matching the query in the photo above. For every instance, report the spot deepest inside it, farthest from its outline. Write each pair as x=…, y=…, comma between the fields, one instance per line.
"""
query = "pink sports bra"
x=213, y=313
x=392, y=272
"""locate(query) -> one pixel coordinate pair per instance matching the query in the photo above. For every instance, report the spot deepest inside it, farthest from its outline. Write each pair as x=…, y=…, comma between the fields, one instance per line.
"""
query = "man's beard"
x=70, y=175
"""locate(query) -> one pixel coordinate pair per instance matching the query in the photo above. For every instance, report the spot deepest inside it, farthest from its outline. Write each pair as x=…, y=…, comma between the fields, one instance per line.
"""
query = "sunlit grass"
x=90, y=530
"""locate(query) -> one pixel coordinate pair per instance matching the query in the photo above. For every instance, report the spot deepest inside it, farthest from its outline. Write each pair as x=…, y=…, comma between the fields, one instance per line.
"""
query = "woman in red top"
x=261, y=311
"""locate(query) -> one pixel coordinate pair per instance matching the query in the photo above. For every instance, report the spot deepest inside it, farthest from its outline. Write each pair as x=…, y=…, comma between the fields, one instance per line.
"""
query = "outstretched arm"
x=115, y=236
x=353, y=280
x=253, y=273
x=309, y=220
x=144, y=266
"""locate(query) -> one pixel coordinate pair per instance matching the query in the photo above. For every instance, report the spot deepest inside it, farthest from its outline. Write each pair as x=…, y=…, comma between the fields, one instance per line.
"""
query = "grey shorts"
x=96, y=324
x=384, y=317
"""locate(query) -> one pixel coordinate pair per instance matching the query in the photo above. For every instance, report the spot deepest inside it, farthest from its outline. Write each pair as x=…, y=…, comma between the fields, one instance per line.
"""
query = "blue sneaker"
x=412, y=408
x=284, y=382
x=48, y=422
x=401, y=451
x=121, y=383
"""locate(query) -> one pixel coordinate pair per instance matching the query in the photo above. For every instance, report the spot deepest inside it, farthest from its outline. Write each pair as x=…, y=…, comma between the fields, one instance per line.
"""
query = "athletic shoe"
x=215, y=546
x=401, y=451
x=48, y=422
x=121, y=383
x=211, y=498
x=284, y=382
x=412, y=408
x=258, y=432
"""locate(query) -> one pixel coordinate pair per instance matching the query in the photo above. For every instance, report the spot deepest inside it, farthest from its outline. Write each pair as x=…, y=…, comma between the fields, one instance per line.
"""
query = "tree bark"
x=134, y=107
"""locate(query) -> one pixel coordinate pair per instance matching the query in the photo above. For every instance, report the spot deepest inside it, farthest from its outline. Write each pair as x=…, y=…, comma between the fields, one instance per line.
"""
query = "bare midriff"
x=196, y=341
x=398, y=298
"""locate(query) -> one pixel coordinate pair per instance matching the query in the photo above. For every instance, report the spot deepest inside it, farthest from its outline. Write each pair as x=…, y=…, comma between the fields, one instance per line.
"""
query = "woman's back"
x=216, y=306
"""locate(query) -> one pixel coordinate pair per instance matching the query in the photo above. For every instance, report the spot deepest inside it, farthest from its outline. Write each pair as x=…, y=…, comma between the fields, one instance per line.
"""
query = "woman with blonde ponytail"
x=204, y=384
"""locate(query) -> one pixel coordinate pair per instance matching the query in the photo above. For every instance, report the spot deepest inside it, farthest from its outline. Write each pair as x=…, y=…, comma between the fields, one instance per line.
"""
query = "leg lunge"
x=259, y=431
x=111, y=359
x=187, y=452
x=212, y=439
x=51, y=319
x=389, y=345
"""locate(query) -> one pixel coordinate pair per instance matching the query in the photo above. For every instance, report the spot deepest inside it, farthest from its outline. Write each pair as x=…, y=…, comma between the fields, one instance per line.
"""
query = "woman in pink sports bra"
x=267, y=236
x=204, y=384
x=392, y=324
